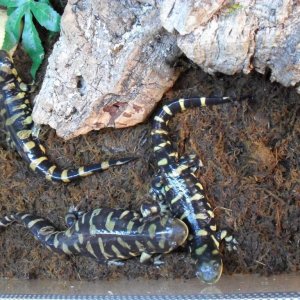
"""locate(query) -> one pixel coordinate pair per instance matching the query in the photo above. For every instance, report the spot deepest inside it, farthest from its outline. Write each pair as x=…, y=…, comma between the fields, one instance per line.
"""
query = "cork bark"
x=112, y=63
x=115, y=59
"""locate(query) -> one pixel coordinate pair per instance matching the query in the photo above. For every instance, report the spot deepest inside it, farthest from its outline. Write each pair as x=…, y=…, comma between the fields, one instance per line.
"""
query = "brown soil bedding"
x=251, y=176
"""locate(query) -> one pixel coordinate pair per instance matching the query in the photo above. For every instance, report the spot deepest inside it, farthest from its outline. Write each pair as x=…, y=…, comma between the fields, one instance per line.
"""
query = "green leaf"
x=32, y=44
x=13, y=3
x=10, y=10
x=13, y=27
x=46, y=15
x=44, y=1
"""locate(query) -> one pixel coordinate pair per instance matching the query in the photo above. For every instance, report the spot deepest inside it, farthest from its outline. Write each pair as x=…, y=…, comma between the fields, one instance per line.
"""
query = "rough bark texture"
x=228, y=37
x=114, y=59
x=111, y=64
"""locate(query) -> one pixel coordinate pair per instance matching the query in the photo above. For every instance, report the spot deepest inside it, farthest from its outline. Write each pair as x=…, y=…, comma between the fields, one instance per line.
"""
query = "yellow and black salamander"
x=16, y=110
x=176, y=187
x=107, y=235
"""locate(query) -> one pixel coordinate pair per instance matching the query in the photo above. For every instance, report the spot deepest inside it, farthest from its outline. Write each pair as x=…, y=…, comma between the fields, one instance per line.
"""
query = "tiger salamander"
x=178, y=189
x=107, y=235
x=16, y=110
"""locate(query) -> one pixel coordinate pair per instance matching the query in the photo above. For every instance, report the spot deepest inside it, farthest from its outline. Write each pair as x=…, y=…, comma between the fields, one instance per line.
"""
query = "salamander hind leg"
x=230, y=242
x=145, y=257
x=115, y=262
x=157, y=190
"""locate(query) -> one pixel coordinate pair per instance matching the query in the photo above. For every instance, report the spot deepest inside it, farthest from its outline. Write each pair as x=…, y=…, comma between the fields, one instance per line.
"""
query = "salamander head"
x=210, y=271
x=172, y=233
x=180, y=232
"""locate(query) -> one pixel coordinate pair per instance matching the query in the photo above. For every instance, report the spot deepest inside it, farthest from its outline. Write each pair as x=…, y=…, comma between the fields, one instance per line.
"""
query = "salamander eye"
x=209, y=271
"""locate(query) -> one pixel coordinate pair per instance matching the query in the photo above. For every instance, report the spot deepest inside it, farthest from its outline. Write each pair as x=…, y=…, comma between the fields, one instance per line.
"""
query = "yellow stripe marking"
x=13, y=118
x=152, y=231
x=177, y=198
x=162, y=242
x=32, y=223
x=109, y=224
x=28, y=146
x=42, y=148
x=24, y=134
x=21, y=106
x=228, y=238
x=56, y=242
x=159, y=119
x=68, y=233
x=64, y=176
x=199, y=251
x=139, y=245
x=129, y=226
x=50, y=172
x=117, y=252
x=105, y=165
x=27, y=121
x=19, y=96
x=83, y=173
x=213, y=227
x=201, y=216
x=182, y=104
x=203, y=101
x=37, y=161
x=123, y=243
x=150, y=245
x=104, y=253
x=141, y=228
x=162, y=162
x=80, y=238
x=223, y=234
x=199, y=185
x=90, y=249
x=65, y=248
x=75, y=245
x=159, y=131
x=167, y=110
x=197, y=197
x=215, y=241
x=211, y=213
x=123, y=214
x=202, y=232
x=25, y=216
x=175, y=154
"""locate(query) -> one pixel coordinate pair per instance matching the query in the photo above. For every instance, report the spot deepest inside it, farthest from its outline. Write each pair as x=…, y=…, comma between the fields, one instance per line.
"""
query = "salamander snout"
x=179, y=233
x=210, y=271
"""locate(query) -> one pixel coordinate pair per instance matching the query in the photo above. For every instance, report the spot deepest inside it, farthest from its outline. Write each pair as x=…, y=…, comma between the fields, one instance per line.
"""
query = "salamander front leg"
x=72, y=215
x=26, y=87
x=230, y=242
x=150, y=208
x=192, y=162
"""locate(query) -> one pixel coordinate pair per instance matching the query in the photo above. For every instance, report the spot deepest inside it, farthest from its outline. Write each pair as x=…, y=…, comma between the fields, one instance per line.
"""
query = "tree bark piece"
x=112, y=63
x=231, y=37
